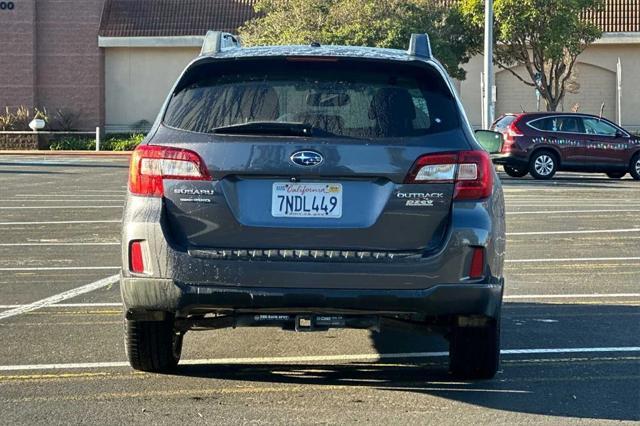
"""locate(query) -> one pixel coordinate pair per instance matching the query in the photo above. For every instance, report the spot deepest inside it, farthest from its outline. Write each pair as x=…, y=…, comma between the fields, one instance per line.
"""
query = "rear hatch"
x=307, y=154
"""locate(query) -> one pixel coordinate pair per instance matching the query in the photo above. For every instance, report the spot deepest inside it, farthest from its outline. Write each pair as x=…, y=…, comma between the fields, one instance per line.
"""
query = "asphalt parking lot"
x=571, y=322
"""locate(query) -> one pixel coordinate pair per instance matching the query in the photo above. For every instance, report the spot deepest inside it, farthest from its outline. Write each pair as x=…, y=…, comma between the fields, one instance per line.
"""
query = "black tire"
x=616, y=175
x=153, y=346
x=516, y=173
x=543, y=165
x=635, y=167
x=474, y=352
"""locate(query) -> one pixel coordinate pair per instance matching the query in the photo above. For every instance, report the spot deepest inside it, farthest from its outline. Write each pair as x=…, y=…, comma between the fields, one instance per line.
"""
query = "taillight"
x=136, y=261
x=150, y=164
x=471, y=171
x=477, y=263
x=510, y=135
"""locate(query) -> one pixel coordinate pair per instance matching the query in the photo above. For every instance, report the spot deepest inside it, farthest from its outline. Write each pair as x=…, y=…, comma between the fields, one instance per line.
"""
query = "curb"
x=68, y=153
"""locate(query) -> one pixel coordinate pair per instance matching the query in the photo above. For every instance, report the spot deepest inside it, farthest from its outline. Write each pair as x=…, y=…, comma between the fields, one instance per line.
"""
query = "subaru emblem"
x=306, y=158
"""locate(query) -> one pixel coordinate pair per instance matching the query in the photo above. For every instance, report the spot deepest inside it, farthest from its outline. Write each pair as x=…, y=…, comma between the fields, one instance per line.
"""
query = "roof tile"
x=153, y=18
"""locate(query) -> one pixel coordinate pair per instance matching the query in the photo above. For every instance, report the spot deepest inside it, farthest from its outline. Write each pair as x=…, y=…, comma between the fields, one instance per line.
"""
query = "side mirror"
x=490, y=141
x=619, y=134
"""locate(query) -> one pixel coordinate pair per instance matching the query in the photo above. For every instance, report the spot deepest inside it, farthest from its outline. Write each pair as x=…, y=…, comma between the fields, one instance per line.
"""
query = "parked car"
x=546, y=142
x=309, y=188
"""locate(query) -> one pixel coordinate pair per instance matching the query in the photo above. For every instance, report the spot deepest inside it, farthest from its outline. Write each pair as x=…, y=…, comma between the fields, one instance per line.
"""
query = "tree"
x=380, y=23
x=544, y=36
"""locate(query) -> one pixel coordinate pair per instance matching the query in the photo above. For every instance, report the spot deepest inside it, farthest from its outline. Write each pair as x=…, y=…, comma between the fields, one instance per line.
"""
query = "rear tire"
x=616, y=175
x=635, y=167
x=516, y=173
x=474, y=352
x=543, y=165
x=153, y=346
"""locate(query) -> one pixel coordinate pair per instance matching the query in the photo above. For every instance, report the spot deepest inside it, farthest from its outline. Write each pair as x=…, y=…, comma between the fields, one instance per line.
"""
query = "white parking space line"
x=315, y=358
x=81, y=196
x=59, y=222
x=574, y=211
x=58, y=200
x=572, y=296
x=71, y=305
x=69, y=207
x=588, y=231
x=117, y=191
x=575, y=259
x=60, y=297
x=56, y=244
x=61, y=268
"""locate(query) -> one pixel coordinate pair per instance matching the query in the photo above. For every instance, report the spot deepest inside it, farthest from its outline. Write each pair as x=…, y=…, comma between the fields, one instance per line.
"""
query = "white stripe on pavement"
x=63, y=195
x=315, y=358
x=576, y=259
x=71, y=305
x=571, y=296
x=57, y=244
x=62, y=268
x=590, y=231
x=59, y=222
x=60, y=297
x=574, y=211
x=40, y=200
x=59, y=207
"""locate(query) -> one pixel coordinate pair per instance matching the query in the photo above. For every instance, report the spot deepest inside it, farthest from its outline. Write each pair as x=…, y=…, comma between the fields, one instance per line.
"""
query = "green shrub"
x=118, y=142
x=126, y=142
x=73, y=143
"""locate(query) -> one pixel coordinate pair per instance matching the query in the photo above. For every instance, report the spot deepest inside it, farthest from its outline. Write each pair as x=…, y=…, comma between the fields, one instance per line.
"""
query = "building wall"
x=17, y=55
x=137, y=81
x=49, y=57
x=596, y=75
x=597, y=85
x=69, y=61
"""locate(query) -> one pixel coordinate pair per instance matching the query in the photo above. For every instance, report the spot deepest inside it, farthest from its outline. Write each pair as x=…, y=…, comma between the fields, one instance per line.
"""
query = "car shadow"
x=564, y=181
x=585, y=385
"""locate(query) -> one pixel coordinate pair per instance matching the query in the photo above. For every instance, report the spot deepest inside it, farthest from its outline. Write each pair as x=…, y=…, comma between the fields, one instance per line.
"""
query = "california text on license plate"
x=321, y=200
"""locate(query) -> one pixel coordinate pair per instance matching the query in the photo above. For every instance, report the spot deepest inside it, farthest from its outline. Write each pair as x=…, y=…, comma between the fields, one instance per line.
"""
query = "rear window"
x=503, y=123
x=342, y=98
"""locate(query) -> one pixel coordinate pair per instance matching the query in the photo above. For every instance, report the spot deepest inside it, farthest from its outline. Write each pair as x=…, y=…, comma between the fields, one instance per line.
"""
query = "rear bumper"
x=147, y=294
x=509, y=159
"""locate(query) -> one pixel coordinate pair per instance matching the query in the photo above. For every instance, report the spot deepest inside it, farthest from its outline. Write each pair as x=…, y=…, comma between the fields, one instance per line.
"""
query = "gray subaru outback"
x=310, y=188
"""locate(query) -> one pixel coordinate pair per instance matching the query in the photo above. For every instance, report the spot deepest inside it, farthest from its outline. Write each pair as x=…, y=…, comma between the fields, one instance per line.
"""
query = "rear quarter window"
x=342, y=98
x=503, y=123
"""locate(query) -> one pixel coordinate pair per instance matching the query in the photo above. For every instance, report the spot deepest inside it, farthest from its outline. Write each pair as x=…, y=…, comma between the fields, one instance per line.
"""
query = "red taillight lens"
x=470, y=170
x=510, y=136
x=150, y=164
x=136, y=262
x=433, y=168
x=477, y=263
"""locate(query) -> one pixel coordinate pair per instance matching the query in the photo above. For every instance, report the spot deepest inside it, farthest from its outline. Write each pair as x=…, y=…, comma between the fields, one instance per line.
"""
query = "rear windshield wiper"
x=271, y=128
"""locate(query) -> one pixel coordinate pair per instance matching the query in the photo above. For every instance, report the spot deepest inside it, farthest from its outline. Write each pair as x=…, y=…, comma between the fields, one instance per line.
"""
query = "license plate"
x=321, y=200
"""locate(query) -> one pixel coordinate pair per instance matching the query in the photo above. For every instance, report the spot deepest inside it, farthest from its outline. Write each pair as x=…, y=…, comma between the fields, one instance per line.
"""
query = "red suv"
x=543, y=143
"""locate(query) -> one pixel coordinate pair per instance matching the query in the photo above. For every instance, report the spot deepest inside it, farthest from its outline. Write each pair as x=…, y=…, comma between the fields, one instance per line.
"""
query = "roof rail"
x=216, y=41
x=420, y=46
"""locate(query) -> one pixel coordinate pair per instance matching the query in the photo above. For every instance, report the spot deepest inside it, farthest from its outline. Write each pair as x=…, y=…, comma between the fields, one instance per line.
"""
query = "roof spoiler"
x=216, y=41
x=420, y=46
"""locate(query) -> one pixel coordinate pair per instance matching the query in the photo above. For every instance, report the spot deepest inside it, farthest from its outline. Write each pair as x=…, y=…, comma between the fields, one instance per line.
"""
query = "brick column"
x=17, y=55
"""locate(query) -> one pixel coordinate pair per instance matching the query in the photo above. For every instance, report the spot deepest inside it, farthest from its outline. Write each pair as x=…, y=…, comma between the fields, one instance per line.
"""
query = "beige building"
x=596, y=75
x=138, y=78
